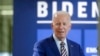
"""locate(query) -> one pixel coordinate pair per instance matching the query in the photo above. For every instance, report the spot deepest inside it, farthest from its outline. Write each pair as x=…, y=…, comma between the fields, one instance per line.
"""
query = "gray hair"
x=64, y=13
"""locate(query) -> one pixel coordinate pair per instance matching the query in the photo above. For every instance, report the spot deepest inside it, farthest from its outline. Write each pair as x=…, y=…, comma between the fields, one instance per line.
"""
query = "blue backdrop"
x=27, y=30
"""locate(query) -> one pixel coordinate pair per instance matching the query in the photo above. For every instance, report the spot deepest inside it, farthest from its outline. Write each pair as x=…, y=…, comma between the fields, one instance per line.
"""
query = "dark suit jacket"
x=48, y=47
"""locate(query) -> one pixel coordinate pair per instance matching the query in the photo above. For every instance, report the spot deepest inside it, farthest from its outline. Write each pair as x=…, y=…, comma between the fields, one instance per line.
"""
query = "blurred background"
x=6, y=18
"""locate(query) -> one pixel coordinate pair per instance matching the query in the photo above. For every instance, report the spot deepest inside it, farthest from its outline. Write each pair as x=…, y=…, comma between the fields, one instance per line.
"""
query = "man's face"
x=61, y=25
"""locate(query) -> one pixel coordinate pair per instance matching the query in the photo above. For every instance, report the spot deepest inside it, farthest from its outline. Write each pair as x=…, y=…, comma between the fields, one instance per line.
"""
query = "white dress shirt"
x=58, y=43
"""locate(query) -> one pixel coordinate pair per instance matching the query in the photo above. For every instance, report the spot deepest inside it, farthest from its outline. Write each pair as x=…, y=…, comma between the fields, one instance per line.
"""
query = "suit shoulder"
x=73, y=43
x=42, y=42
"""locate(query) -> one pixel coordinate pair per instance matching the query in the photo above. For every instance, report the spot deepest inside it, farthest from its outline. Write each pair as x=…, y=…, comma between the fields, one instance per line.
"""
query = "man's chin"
x=61, y=36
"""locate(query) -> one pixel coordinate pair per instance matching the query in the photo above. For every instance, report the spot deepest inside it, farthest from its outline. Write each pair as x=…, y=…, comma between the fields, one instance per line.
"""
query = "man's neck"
x=59, y=38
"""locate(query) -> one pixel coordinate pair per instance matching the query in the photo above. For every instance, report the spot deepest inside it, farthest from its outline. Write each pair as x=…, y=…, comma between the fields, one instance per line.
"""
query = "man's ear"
x=52, y=25
x=70, y=26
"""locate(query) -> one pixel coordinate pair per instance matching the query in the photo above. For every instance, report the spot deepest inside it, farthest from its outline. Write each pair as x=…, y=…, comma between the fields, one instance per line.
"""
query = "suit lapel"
x=54, y=47
x=55, y=50
x=70, y=48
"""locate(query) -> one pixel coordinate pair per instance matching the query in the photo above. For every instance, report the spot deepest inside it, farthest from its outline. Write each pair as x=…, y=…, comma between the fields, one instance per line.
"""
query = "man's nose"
x=61, y=26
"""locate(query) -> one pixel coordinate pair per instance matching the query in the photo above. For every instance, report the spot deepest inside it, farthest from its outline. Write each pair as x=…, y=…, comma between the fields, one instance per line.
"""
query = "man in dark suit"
x=58, y=44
